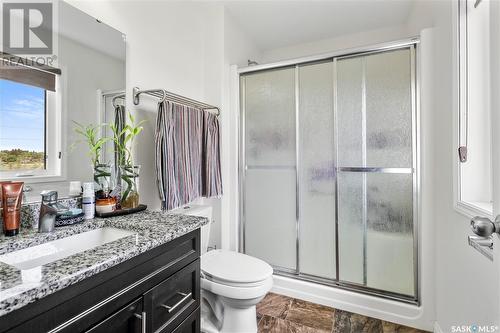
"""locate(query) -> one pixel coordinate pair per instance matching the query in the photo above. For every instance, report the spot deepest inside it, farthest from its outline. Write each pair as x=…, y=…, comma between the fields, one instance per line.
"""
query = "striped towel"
x=187, y=156
x=212, y=179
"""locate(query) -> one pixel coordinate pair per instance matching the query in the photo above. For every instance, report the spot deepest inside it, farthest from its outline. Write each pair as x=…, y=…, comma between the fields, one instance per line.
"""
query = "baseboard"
x=437, y=328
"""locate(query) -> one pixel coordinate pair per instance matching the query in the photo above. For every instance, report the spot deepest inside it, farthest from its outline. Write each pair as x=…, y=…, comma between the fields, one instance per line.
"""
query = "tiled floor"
x=281, y=314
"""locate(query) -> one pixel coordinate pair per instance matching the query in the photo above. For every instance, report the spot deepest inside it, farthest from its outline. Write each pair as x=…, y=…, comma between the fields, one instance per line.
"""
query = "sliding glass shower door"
x=375, y=170
x=316, y=171
x=270, y=167
x=328, y=174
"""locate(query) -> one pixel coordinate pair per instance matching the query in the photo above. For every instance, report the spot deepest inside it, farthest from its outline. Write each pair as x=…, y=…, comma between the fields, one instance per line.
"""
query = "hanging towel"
x=187, y=157
x=212, y=180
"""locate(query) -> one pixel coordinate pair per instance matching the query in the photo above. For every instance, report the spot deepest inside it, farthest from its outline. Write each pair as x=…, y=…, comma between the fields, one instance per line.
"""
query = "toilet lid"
x=234, y=267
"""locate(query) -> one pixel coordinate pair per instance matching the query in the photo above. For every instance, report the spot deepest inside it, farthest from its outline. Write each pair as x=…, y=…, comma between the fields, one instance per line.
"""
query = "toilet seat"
x=234, y=267
x=235, y=275
x=243, y=293
x=213, y=279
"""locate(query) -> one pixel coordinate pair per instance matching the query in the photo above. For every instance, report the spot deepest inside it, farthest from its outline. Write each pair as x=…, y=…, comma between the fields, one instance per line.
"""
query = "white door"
x=495, y=130
x=481, y=42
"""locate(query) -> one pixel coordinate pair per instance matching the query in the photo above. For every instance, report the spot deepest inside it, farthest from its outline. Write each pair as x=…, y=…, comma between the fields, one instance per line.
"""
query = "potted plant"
x=101, y=171
x=129, y=172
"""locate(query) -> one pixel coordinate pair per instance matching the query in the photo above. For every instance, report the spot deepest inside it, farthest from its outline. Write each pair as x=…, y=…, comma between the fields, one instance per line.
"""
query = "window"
x=29, y=140
x=22, y=127
x=474, y=166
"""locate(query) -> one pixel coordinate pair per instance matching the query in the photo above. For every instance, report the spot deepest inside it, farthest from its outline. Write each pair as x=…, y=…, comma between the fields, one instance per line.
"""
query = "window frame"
x=468, y=209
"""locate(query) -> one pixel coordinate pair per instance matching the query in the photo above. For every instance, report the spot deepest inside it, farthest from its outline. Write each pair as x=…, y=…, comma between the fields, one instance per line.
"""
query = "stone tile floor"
x=282, y=314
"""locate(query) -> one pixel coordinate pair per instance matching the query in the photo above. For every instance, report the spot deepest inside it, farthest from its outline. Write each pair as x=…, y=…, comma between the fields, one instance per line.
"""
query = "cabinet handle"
x=176, y=305
x=142, y=317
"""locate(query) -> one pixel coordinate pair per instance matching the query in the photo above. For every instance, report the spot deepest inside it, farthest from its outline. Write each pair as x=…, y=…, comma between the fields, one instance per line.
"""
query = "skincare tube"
x=1, y=183
x=12, y=196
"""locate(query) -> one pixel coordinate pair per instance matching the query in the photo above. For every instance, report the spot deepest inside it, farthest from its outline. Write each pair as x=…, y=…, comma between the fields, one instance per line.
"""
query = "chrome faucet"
x=49, y=210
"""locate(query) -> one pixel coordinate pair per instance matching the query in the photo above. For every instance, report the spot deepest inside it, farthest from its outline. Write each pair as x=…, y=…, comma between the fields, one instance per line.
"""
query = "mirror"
x=40, y=105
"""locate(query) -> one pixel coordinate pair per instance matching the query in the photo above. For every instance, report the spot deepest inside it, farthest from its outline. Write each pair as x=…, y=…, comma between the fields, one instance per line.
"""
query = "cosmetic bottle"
x=12, y=197
x=88, y=201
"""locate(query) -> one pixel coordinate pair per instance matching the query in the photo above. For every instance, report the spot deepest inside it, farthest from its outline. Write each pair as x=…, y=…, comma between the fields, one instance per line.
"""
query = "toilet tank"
x=203, y=211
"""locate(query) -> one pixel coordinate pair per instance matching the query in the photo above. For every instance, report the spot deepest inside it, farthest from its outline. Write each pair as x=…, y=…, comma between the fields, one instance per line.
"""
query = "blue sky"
x=21, y=116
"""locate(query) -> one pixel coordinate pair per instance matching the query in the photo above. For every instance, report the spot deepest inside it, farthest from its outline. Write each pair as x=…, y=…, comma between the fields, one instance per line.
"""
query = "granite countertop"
x=21, y=287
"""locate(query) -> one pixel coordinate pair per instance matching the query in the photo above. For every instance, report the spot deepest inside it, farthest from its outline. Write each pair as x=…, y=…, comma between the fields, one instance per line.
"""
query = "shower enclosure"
x=328, y=170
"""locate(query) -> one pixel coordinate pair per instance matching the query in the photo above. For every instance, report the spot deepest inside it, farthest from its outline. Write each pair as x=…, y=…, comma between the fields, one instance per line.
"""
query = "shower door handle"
x=484, y=227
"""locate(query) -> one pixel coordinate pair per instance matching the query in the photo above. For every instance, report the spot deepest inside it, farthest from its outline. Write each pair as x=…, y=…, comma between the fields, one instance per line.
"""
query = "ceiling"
x=274, y=24
x=86, y=30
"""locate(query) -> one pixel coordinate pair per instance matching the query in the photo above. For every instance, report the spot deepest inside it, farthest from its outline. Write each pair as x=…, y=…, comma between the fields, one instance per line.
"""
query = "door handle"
x=484, y=227
x=142, y=317
x=176, y=305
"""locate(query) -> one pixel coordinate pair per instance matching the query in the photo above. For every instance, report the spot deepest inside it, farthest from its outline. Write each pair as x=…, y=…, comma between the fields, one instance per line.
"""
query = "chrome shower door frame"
x=412, y=45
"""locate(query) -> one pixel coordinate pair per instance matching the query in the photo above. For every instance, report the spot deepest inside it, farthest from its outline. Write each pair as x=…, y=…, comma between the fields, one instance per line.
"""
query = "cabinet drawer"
x=127, y=320
x=191, y=324
x=171, y=301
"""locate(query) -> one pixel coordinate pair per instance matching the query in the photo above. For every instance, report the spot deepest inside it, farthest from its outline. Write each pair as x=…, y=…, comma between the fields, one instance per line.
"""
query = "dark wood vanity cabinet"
x=157, y=291
x=161, y=309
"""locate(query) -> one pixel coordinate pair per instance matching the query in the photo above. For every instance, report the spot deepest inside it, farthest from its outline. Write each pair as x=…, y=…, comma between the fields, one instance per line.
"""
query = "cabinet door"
x=127, y=320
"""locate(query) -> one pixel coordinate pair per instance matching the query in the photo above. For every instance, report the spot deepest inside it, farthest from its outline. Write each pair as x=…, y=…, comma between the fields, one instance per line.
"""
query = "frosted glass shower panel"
x=351, y=227
x=389, y=244
x=317, y=175
x=374, y=110
x=349, y=92
x=270, y=223
x=270, y=118
x=388, y=109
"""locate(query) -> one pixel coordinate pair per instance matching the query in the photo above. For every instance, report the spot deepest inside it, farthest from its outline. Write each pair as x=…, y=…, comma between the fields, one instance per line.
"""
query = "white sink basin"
x=61, y=248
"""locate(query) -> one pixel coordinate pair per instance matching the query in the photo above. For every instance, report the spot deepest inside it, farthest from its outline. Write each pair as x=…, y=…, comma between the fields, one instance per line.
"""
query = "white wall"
x=169, y=47
x=184, y=47
x=238, y=48
x=466, y=283
x=338, y=43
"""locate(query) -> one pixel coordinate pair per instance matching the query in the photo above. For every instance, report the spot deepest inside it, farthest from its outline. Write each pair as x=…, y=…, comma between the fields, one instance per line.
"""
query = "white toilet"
x=231, y=284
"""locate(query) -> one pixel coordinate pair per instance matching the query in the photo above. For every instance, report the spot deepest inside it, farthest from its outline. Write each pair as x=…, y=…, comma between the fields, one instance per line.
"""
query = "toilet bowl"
x=232, y=284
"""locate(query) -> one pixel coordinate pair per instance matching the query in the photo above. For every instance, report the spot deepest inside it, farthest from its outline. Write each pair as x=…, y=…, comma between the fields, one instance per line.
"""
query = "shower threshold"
x=353, y=287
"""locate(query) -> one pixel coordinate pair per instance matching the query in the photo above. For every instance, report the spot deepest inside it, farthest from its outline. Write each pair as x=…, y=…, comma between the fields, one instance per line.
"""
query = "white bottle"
x=88, y=201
